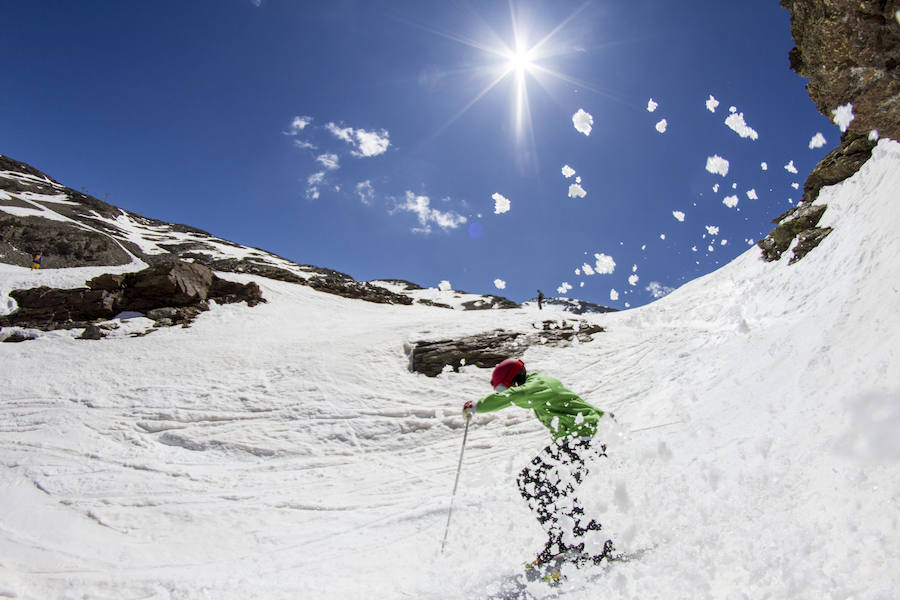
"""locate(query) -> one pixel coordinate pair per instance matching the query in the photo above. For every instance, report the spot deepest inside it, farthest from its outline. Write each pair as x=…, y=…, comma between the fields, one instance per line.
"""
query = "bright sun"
x=519, y=62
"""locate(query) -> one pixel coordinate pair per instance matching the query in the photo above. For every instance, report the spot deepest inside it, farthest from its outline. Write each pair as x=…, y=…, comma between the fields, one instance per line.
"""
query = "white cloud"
x=730, y=201
x=752, y=194
x=499, y=284
x=717, y=164
x=679, y=216
x=658, y=290
x=712, y=104
x=501, y=204
x=372, y=143
x=329, y=161
x=817, y=141
x=312, y=185
x=298, y=125
x=367, y=143
x=605, y=265
x=633, y=279
x=661, y=126
x=342, y=133
x=764, y=166
x=445, y=286
x=712, y=230
x=564, y=287
x=421, y=207
x=613, y=295
x=576, y=191
x=651, y=105
x=843, y=115
x=304, y=145
x=582, y=122
x=735, y=121
x=365, y=191
x=790, y=168
x=567, y=171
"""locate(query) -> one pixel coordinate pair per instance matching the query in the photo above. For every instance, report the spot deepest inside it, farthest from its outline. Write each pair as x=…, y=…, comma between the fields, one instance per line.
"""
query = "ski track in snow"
x=285, y=451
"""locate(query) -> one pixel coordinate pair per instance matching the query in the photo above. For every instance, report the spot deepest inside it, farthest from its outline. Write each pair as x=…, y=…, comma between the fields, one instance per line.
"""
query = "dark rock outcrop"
x=487, y=349
x=850, y=51
x=170, y=293
x=801, y=222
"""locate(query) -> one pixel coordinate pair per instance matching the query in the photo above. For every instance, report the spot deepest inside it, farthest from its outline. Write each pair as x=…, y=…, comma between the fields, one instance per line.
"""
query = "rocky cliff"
x=850, y=52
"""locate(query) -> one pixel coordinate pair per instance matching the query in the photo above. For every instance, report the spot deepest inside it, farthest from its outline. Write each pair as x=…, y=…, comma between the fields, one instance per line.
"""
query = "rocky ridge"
x=850, y=52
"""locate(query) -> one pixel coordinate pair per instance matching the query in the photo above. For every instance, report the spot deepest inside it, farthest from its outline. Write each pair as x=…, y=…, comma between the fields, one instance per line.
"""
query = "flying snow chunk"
x=752, y=194
x=790, y=168
x=712, y=104
x=764, y=166
x=817, y=141
x=613, y=295
x=576, y=191
x=445, y=286
x=499, y=284
x=730, y=201
x=679, y=216
x=582, y=122
x=661, y=126
x=564, y=288
x=873, y=135
x=712, y=230
x=501, y=204
x=567, y=171
x=586, y=269
x=658, y=290
x=717, y=164
x=716, y=188
x=651, y=105
x=842, y=115
x=633, y=279
x=605, y=265
x=736, y=123
x=795, y=185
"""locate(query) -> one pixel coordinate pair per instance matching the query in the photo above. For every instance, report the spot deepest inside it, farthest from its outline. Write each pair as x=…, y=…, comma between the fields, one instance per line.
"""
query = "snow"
x=651, y=105
x=764, y=166
x=501, y=204
x=790, y=168
x=662, y=125
x=499, y=284
x=613, y=295
x=730, y=201
x=605, y=265
x=679, y=215
x=285, y=451
x=751, y=194
x=582, y=122
x=712, y=104
x=736, y=123
x=712, y=230
x=564, y=287
x=633, y=279
x=576, y=191
x=817, y=141
x=715, y=164
x=842, y=116
x=567, y=171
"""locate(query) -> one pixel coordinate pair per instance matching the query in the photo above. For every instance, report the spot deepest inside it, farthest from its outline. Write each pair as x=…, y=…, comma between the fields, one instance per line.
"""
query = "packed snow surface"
x=285, y=451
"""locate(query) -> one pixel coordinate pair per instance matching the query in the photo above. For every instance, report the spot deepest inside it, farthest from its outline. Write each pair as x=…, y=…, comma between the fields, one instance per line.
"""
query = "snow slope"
x=285, y=451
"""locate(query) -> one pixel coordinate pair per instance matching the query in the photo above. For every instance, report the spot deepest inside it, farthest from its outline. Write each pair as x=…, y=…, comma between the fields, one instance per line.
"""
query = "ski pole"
x=456, y=483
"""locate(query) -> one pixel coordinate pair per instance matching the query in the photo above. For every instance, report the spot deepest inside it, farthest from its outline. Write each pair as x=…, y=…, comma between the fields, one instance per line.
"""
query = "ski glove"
x=468, y=409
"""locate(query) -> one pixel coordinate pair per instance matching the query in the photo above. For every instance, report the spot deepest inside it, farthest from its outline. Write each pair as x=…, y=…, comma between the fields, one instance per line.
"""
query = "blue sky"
x=372, y=137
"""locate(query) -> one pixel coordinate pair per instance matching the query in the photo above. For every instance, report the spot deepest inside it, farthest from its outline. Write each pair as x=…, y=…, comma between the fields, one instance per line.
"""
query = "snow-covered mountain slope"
x=285, y=451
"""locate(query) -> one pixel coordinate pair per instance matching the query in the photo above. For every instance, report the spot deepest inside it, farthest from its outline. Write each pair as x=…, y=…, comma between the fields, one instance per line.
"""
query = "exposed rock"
x=91, y=332
x=62, y=244
x=489, y=302
x=574, y=306
x=173, y=293
x=801, y=221
x=850, y=51
x=487, y=349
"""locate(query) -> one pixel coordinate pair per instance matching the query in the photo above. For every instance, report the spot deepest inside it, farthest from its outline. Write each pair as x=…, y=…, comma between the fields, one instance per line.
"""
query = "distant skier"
x=36, y=261
x=540, y=299
x=548, y=483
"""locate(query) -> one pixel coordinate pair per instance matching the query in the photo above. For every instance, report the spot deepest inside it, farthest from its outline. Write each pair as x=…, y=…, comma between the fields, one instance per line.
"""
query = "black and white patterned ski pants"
x=548, y=485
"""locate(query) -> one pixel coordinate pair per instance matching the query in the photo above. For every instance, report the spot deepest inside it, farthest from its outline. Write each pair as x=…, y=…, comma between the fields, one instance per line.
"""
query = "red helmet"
x=508, y=371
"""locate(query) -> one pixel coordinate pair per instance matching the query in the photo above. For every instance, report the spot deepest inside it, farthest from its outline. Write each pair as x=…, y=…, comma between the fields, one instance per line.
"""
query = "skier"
x=540, y=300
x=36, y=262
x=548, y=483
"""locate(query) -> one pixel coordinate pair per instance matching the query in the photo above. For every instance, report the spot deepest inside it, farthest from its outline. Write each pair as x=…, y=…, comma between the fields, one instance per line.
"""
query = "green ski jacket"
x=561, y=411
